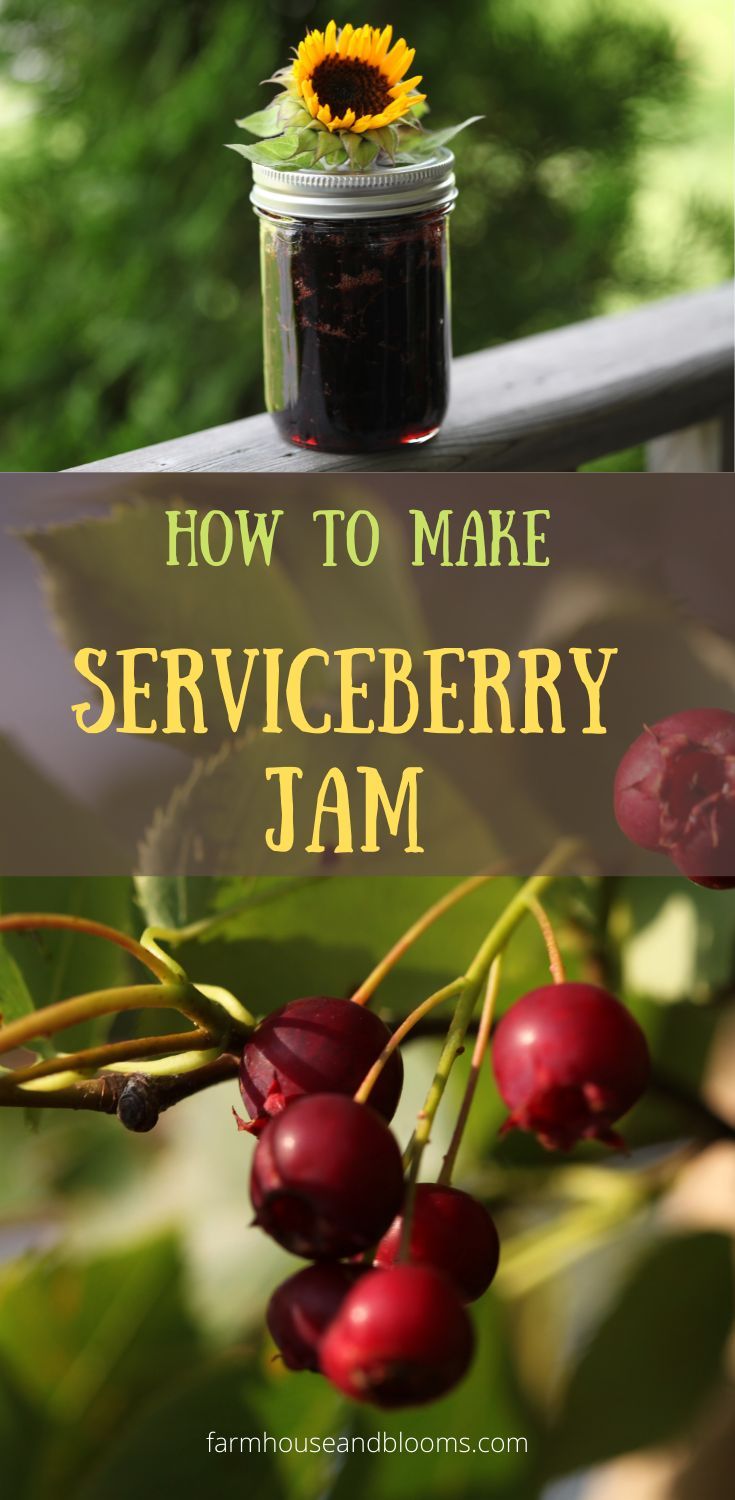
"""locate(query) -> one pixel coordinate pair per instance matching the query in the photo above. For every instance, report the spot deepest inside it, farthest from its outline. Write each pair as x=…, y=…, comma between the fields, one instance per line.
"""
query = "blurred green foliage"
x=129, y=305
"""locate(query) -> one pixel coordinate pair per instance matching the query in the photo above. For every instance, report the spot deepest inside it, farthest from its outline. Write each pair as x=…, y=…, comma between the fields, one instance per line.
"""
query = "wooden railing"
x=661, y=375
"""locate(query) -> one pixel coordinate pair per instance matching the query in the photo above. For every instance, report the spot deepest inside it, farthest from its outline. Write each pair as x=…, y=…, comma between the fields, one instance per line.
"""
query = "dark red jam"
x=357, y=329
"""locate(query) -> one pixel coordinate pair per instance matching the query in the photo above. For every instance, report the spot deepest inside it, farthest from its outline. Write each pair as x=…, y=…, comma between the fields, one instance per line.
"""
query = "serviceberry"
x=451, y=1232
x=569, y=1060
x=327, y=1177
x=401, y=1338
x=302, y=1308
x=675, y=793
x=317, y=1045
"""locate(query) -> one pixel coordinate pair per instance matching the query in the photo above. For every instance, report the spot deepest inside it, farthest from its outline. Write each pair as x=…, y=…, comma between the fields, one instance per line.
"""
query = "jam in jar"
x=356, y=303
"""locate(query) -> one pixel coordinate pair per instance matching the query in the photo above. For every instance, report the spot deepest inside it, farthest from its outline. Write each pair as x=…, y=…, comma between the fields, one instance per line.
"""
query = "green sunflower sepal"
x=289, y=140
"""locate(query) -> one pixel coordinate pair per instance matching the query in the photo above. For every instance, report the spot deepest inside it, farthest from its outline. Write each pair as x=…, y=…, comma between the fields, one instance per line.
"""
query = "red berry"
x=302, y=1308
x=675, y=793
x=327, y=1177
x=401, y=1338
x=569, y=1060
x=316, y=1046
x=451, y=1232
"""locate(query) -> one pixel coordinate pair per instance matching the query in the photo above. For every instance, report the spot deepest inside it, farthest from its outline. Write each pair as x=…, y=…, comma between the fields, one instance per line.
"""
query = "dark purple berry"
x=401, y=1338
x=675, y=793
x=569, y=1060
x=316, y=1045
x=302, y=1308
x=451, y=1232
x=327, y=1177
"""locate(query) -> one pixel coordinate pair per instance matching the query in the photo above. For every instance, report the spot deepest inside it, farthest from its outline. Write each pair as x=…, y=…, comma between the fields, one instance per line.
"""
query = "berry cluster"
x=675, y=793
x=381, y=1309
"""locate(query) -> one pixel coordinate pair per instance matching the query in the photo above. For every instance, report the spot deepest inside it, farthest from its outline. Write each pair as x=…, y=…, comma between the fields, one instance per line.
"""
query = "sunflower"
x=352, y=79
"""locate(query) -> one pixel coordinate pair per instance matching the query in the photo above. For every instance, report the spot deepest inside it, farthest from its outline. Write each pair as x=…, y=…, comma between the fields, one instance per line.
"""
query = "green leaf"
x=15, y=997
x=283, y=111
x=42, y=827
x=287, y=148
x=303, y=937
x=655, y=1357
x=87, y=1341
x=169, y=901
x=434, y=138
x=166, y=606
x=166, y=1443
x=56, y=964
x=219, y=817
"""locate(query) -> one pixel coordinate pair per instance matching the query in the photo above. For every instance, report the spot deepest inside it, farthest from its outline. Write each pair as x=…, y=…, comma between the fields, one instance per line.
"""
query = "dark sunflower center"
x=348, y=83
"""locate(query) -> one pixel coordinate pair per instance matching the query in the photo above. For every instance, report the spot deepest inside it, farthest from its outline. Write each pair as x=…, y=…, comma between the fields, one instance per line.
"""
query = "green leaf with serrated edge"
x=218, y=819
x=162, y=899
x=128, y=550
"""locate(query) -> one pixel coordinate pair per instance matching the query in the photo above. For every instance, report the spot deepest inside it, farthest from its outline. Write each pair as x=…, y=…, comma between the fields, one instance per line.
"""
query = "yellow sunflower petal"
x=401, y=66
x=405, y=86
x=344, y=39
x=330, y=37
x=393, y=58
x=344, y=122
x=383, y=44
x=324, y=114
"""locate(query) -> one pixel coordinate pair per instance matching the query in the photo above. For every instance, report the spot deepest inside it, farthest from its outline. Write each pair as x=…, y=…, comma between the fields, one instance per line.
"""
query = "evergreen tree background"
x=129, y=300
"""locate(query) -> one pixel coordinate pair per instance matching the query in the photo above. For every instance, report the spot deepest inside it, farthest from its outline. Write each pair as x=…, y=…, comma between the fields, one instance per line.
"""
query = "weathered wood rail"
x=661, y=375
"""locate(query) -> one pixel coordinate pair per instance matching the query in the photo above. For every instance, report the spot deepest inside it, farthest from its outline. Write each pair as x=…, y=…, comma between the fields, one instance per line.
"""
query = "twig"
x=104, y=1095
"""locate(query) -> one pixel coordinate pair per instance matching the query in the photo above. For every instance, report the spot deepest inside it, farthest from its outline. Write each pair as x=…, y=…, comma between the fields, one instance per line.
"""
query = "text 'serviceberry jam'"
x=356, y=303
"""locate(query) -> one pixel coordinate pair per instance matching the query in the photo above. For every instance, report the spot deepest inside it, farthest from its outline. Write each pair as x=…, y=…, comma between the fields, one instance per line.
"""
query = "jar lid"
x=344, y=194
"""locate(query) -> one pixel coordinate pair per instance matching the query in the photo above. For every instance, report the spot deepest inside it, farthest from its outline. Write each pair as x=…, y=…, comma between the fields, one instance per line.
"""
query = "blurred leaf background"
x=129, y=304
x=132, y=1288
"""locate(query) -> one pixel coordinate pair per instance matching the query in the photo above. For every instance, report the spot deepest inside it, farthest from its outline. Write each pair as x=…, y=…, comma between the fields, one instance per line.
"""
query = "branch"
x=136, y=1098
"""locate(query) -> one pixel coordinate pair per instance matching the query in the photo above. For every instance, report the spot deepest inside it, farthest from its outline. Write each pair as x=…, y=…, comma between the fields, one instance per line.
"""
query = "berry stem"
x=157, y=963
x=496, y=940
x=367, y=989
x=478, y=1056
x=137, y=1050
x=402, y=1031
x=556, y=963
x=191, y=1002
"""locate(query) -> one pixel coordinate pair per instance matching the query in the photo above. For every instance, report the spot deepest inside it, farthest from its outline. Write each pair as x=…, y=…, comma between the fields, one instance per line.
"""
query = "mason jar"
x=356, y=303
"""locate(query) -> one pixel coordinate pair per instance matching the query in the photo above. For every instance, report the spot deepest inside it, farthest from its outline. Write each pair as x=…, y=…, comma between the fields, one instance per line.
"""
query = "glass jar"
x=356, y=303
